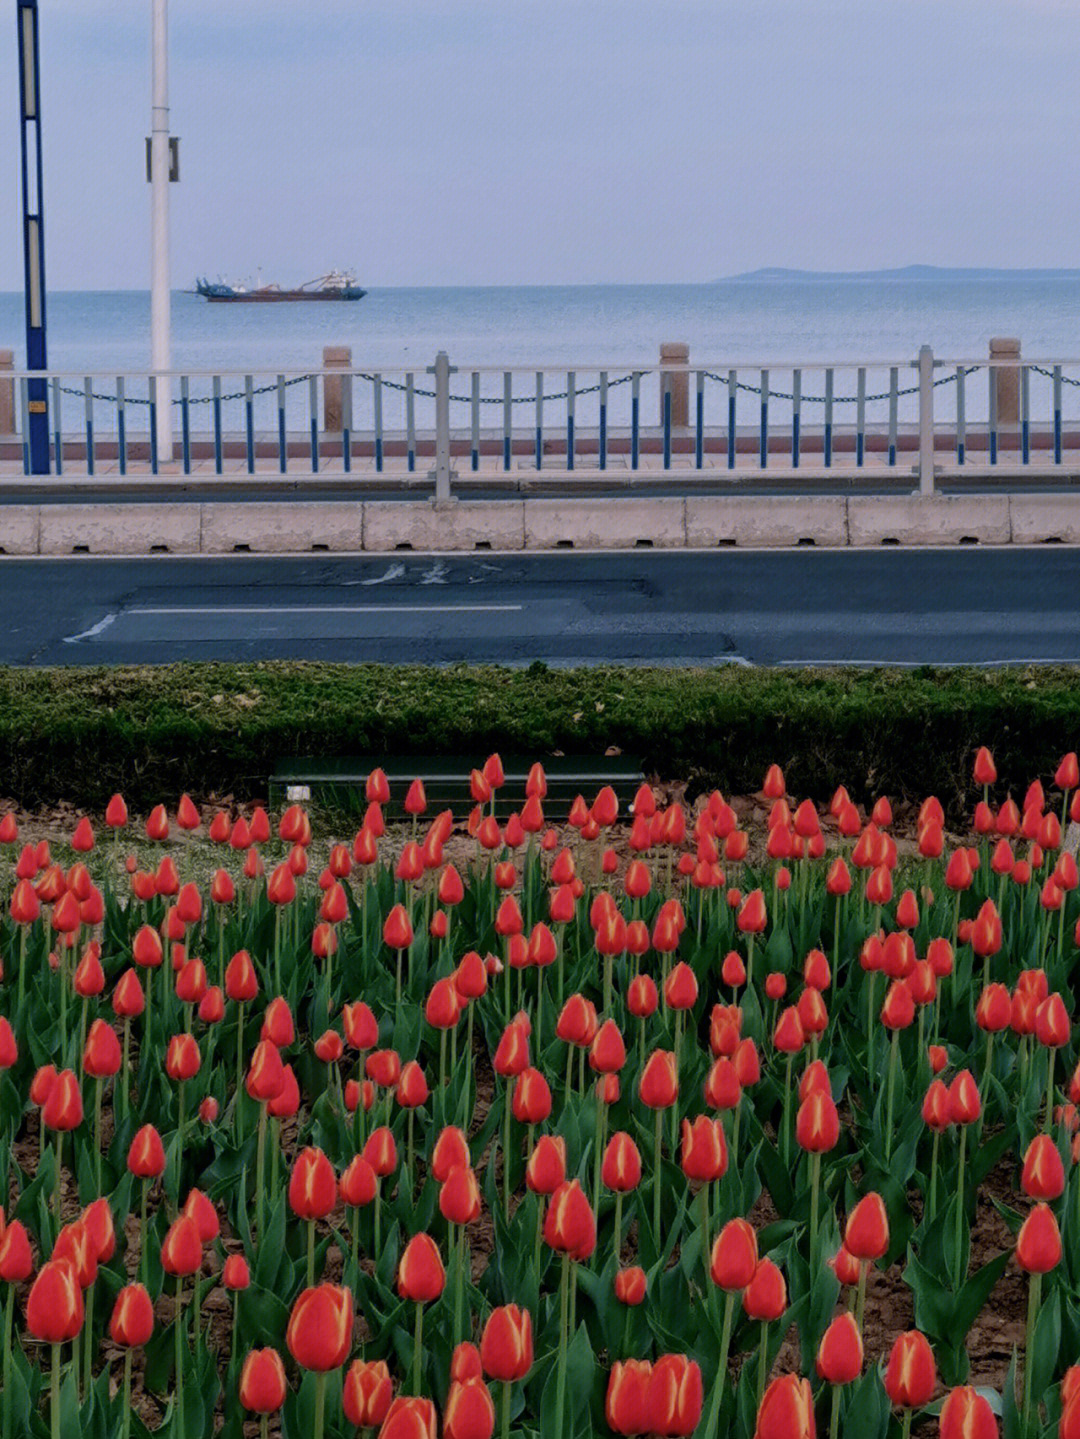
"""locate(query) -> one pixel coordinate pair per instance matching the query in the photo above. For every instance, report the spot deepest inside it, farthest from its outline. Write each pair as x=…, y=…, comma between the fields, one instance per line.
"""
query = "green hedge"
x=151, y=732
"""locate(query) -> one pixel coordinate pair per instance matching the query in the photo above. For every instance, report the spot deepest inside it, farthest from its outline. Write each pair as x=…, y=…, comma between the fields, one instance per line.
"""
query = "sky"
x=471, y=142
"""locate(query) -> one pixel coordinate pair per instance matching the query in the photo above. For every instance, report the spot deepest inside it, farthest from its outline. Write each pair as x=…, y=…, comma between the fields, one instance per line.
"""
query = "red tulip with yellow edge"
x=367, y=1393
x=319, y=1337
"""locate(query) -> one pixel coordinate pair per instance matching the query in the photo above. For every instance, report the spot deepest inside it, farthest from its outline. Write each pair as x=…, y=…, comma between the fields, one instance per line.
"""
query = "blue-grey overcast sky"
x=425, y=142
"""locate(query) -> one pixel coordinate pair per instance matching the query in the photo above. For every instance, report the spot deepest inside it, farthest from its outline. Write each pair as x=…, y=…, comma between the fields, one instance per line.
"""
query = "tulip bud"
x=320, y=1330
x=421, y=1276
x=132, y=1321
x=734, y=1255
x=911, y=1375
x=1038, y=1244
x=506, y=1346
x=367, y=1393
x=54, y=1308
x=262, y=1382
x=630, y=1285
x=787, y=1410
x=840, y=1354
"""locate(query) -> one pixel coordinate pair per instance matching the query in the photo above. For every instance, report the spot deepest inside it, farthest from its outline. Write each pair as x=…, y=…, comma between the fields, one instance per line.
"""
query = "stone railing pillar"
x=1006, y=380
x=337, y=393
x=676, y=353
x=7, y=393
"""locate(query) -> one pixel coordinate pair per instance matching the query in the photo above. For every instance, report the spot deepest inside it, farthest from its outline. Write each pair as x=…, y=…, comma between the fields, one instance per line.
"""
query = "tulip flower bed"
x=585, y=1124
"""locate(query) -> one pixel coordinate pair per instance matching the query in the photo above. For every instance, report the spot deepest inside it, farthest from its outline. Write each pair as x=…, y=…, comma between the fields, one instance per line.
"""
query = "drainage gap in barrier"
x=889, y=540
x=726, y=544
x=159, y=549
x=403, y=545
x=564, y=544
x=321, y=548
x=1053, y=540
x=969, y=539
x=804, y=541
x=80, y=549
x=241, y=549
x=482, y=545
x=643, y=544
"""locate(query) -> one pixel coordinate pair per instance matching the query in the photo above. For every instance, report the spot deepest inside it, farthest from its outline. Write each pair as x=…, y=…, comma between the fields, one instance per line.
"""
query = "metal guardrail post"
x=926, y=420
x=442, y=370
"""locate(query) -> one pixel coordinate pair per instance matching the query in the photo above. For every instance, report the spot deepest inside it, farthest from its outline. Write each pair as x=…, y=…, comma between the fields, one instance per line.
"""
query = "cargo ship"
x=338, y=285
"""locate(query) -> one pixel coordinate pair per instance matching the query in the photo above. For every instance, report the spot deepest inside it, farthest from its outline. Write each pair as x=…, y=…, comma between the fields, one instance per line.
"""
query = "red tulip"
x=132, y=1321
x=367, y=1393
x=421, y=1276
x=506, y=1346
x=320, y=1330
x=734, y=1256
x=787, y=1410
x=840, y=1354
x=262, y=1382
x=911, y=1375
x=312, y=1185
x=54, y=1308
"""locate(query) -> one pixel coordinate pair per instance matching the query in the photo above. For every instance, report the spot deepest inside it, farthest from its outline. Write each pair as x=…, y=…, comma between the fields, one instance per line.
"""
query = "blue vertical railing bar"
x=603, y=418
x=121, y=426
x=410, y=423
x=961, y=416
x=665, y=380
x=635, y=419
x=153, y=425
x=376, y=402
x=860, y=416
x=763, y=443
x=699, y=421
x=894, y=408
x=474, y=420
x=283, y=461
x=185, y=423
x=732, y=397
x=539, y=419
x=249, y=422
x=313, y=405
x=508, y=417
x=796, y=405
x=1057, y=414
x=89, y=403
x=571, y=386
x=993, y=415
x=216, y=407
x=829, y=374
x=58, y=441
x=346, y=422
x=1025, y=416
x=24, y=412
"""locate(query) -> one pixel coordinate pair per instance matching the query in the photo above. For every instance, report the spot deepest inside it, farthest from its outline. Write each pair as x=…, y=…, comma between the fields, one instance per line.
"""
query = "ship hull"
x=276, y=296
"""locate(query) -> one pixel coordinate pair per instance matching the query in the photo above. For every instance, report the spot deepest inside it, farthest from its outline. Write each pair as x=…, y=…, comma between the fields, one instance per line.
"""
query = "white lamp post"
x=160, y=340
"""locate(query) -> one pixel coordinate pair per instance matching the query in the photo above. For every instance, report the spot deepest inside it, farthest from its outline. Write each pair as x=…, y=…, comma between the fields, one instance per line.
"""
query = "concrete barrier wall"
x=668, y=522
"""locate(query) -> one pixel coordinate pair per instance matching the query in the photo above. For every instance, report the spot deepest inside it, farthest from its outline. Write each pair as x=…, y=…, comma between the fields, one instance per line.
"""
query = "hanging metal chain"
x=1065, y=380
x=192, y=399
x=838, y=399
x=499, y=399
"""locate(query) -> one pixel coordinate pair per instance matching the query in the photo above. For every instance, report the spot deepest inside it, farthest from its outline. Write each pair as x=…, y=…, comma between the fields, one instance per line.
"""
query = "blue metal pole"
x=37, y=418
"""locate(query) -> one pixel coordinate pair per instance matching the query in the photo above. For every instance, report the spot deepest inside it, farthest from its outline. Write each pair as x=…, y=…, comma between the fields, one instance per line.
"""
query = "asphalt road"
x=864, y=607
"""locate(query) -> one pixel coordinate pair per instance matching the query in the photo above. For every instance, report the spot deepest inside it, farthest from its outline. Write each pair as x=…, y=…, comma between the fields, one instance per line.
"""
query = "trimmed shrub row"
x=151, y=732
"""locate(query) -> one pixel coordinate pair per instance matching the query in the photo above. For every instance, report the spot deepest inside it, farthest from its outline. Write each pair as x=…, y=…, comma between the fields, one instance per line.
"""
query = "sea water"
x=752, y=320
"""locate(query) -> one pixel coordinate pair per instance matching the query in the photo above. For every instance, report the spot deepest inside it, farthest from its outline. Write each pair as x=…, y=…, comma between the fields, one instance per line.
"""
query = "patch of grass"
x=151, y=732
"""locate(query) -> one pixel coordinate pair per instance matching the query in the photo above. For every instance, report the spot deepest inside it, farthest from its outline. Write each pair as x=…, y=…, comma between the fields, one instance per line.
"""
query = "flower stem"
x=180, y=1427
x=560, y=1384
x=417, y=1341
x=126, y=1430
x=506, y=1409
x=1034, y=1295
x=656, y=1180
x=320, y=1404
x=260, y=1171
x=889, y=1093
x=54, y=1392
x=834, y=1413
x=957, y=1275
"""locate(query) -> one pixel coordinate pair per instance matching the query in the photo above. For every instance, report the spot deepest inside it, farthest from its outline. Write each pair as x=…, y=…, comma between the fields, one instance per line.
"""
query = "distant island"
x=778, y=275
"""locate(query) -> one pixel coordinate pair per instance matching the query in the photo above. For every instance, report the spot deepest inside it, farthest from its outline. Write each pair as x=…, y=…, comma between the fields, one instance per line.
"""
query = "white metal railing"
x=445, y=422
